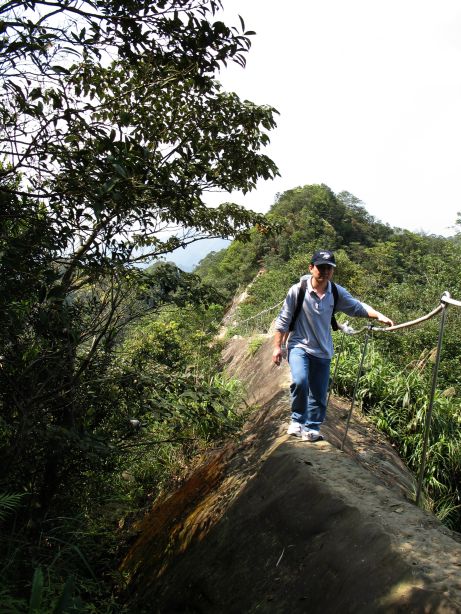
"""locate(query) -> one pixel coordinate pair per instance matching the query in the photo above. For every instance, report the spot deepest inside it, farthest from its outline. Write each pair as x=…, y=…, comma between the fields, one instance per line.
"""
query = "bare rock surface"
x=272, y=524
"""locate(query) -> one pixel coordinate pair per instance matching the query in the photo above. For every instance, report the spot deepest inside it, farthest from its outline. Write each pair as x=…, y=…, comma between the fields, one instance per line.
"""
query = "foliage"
x=113, y=129
x=158, y=404
x=235, y=266
x=130, y=125
x=254, y=345
x=117, y=161
x=9, y=503
x=396, y=400
x=307, y=218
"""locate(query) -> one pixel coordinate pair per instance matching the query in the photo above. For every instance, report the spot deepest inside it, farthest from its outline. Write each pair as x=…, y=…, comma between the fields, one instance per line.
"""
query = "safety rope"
x=444, y=302
x=260, y=313
x=408, y=324
x=445, y=299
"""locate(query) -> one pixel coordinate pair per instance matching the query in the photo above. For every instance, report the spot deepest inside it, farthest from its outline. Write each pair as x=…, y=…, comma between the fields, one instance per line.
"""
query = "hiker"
x=310, y=344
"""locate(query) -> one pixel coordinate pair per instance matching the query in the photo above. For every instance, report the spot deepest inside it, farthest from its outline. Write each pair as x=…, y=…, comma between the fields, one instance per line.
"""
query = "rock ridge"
x=272, y=524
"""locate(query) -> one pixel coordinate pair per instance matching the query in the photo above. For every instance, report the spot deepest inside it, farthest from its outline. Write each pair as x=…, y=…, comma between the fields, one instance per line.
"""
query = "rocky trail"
x=272, y=524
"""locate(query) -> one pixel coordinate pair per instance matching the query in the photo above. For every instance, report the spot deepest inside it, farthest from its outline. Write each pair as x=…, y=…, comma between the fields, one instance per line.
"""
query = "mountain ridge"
x=272, y=524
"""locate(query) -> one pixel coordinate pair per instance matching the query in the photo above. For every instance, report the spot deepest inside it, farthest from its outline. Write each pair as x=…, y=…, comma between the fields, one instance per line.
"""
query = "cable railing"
x=409, y=324
x=258, y=315
x=445, y=301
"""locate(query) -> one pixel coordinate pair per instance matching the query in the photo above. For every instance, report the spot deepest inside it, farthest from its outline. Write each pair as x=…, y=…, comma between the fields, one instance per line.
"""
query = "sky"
x=369, y=96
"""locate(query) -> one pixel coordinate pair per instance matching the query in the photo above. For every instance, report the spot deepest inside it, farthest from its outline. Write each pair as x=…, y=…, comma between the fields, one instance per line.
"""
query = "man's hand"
x=279, y=343
x=277, y=356
x=384, y=320
x=376, y=315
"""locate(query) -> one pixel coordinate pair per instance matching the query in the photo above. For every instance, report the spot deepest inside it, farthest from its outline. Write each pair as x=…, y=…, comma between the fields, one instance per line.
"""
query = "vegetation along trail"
x=113, y=387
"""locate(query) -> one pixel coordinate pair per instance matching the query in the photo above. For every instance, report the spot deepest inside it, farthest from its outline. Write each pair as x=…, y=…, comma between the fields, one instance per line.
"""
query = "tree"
x=114, y=119
x=113, y=128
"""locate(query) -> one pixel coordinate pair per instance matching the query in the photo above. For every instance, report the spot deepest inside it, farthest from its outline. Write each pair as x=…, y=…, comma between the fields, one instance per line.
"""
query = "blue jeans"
x=309, y=388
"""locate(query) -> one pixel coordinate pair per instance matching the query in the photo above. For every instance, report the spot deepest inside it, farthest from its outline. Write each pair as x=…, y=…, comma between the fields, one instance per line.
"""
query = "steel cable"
x=445, y=299
x=259, y=314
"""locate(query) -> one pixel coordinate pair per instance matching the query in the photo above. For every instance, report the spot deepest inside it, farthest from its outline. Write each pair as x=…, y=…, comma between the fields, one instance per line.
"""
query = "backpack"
x=300, y=300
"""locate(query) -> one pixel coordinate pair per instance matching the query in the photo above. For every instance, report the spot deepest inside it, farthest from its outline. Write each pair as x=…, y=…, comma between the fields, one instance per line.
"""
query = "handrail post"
x=333, y=380
x=359, y=374
x=431, y=400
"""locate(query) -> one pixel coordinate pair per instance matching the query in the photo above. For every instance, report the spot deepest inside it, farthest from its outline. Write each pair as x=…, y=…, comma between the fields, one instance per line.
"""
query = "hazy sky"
x=369, y=95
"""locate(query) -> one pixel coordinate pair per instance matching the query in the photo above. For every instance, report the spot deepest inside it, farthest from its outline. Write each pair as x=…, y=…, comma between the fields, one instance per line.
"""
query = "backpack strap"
x=334, y=289
x=299, y=303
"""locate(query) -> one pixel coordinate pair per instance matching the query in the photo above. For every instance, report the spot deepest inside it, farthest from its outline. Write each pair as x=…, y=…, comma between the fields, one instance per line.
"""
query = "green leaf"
x=121, y=170
x=66, y=600
x=36, y=93
x=36, y=594
x=60, y=70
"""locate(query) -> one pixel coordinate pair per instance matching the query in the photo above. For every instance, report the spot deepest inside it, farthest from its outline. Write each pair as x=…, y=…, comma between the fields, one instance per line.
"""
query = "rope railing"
x=442, y=308
x=445, y=301
x=389, y=329
x=450, y=301
x=260, y=314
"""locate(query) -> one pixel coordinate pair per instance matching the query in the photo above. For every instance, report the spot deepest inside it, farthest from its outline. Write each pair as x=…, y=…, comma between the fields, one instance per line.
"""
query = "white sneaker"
x=310, y=435
x=295, y=428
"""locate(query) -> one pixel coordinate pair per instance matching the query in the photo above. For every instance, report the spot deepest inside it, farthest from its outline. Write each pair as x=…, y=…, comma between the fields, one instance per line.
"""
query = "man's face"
x=321, y=272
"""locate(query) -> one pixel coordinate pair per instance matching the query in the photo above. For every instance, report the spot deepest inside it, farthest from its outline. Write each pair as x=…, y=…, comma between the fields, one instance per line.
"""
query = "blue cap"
x=323, y=256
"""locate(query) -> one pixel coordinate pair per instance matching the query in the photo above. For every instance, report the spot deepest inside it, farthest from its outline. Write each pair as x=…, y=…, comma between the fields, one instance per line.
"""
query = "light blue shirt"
x=312, y=329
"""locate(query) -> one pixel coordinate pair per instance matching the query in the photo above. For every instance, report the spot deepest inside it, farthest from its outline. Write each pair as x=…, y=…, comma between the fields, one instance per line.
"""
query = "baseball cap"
x=323, y=256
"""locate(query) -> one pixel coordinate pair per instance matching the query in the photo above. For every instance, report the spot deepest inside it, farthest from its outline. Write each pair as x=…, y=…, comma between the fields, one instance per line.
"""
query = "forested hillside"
x=399, y=272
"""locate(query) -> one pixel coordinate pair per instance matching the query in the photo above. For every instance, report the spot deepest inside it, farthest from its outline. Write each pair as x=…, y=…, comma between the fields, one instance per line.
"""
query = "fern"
x=8, y=503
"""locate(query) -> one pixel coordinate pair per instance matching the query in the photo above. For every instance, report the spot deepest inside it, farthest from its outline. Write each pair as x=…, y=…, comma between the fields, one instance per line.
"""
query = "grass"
x=396, y=401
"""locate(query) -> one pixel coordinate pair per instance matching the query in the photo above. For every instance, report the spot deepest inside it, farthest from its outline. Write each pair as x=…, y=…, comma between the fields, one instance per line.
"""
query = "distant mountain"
x=188, y=258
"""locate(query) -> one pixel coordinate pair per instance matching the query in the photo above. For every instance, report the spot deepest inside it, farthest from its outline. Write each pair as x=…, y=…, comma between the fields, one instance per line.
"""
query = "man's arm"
x=353, y=307
x=280, y=340
x=376, y=315
x=282, y=322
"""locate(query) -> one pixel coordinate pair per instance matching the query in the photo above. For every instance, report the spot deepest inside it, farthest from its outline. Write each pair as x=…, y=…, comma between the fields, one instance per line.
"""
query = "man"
x=310, y=345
